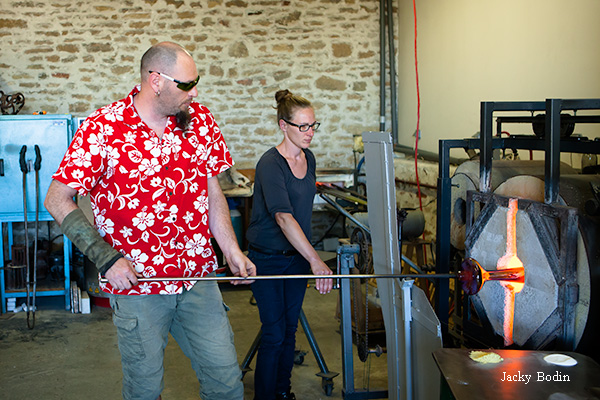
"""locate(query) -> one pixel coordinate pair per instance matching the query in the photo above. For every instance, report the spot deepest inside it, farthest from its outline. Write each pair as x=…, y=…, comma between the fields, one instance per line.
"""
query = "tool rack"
x=52, y=133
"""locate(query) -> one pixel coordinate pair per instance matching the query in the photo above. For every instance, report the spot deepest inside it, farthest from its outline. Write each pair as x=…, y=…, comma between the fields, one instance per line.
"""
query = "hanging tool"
x=36, y=166
x=25, y=170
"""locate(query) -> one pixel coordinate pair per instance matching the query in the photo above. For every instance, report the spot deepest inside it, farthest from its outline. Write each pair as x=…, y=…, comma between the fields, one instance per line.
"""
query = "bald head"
x=161, y=57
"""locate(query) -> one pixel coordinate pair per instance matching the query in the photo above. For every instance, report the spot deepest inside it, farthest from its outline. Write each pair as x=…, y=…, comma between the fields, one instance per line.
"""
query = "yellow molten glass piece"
x=485, y=357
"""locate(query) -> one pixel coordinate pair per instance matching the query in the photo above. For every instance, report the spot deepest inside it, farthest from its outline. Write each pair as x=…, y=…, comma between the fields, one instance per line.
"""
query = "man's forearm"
x=219, y=218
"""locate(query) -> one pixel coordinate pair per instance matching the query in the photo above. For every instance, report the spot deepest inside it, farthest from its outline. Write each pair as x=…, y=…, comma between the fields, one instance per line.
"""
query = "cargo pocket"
x=130, y=341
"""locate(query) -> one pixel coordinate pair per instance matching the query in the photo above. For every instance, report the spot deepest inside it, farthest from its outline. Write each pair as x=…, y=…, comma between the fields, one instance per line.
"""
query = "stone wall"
x=71, y=57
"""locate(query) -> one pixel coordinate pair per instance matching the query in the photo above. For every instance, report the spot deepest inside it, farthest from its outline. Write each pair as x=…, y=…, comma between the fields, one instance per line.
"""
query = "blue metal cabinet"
x=52, y=134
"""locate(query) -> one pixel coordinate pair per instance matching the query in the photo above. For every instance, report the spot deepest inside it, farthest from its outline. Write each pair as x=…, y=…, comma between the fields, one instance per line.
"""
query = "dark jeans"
x=279, y=304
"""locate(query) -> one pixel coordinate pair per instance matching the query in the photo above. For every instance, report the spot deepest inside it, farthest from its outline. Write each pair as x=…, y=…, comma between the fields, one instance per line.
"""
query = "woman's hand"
x=320, y=268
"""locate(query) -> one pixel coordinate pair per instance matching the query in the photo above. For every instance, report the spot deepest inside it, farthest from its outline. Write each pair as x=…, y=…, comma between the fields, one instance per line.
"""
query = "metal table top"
x=524, y=374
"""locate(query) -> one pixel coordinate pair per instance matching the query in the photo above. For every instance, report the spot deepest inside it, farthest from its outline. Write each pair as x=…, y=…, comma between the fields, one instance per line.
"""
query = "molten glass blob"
x=472, y=276
x=509, y=272
x=509, y=259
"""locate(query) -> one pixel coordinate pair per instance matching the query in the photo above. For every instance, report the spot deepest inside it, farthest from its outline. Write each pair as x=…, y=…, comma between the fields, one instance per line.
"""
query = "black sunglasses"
x=185, y=86
x=304, y=127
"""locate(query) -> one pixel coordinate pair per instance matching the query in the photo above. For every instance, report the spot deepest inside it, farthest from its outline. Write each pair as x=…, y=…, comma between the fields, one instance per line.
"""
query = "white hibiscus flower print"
x=153, y=146
x=97, y=143
x=130, y=137
x=201, y=203
x=201, y=152
x=145, y=287
x=155, y=182
x=196, y=245
x=159, y=207
x=81, y=159
x=126, y=232
x=104, y=225
x=171, y=144
x=133, y=204
x=143, y=219
x=212, y=161
x=114, y=112
x=188, y=217
x=113, y=156
x=149, y=167
x=138, y=258
x=169, y=289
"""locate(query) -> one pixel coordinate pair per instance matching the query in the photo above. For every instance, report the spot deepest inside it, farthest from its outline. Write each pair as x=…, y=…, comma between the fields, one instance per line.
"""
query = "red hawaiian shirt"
x=149, y=195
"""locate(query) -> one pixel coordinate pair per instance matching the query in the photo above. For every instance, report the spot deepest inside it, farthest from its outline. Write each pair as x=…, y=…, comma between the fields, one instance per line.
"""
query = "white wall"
x=479, y=50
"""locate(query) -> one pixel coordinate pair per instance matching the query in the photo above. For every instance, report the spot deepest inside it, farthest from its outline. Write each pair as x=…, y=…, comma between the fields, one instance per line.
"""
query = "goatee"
x=183, y=120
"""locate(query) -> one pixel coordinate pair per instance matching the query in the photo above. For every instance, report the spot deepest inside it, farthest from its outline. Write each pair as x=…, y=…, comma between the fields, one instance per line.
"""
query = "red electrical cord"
x=418, y=124
x=418, y=110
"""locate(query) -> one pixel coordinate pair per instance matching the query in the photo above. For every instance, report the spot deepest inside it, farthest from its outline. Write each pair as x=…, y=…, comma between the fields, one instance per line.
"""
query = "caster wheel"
x=299, y=357
x=327, y=387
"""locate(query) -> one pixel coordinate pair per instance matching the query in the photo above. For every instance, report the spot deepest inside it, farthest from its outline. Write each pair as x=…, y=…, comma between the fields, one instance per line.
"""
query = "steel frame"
x=551, y=144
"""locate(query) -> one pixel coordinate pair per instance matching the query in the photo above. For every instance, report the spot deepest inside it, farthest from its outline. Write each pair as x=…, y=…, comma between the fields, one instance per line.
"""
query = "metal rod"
x=345, y=213
x=392, y=69
x=307, y=276
x=382, y=65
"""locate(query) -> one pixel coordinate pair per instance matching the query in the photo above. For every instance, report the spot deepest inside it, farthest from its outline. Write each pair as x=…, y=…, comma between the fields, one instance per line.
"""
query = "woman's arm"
x=294, y=234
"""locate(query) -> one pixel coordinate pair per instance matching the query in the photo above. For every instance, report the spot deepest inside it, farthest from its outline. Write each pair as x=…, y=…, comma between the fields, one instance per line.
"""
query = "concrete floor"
x=75, y=356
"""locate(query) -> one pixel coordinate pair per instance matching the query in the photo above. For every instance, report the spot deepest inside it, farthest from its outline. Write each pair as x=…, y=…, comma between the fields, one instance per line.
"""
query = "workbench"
x=523, y=374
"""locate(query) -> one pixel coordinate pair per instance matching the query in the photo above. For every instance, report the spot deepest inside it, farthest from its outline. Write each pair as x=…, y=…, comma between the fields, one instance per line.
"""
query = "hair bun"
x=282, y=94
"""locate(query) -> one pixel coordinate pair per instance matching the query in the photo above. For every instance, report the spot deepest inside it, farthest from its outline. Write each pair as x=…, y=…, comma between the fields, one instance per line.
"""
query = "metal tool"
x=36, y=166
x=25, y=170
x=307, y=276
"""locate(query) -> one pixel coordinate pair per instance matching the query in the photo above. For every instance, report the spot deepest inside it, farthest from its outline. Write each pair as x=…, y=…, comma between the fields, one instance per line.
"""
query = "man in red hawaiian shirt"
x=149, y=163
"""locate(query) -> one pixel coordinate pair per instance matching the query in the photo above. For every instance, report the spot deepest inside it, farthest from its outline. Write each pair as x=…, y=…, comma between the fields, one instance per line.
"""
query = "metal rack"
x=52, y=133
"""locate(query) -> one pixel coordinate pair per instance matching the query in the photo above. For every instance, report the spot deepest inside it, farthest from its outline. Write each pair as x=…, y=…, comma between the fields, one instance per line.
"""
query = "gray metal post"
x=407, y=285
x=346, y=260
x=381, y=192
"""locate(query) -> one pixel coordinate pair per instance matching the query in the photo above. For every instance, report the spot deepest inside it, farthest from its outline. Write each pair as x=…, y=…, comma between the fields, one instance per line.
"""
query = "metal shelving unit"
x=52, y=133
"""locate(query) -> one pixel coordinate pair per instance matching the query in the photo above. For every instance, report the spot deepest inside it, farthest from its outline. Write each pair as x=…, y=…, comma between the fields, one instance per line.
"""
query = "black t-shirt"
x=276, y=189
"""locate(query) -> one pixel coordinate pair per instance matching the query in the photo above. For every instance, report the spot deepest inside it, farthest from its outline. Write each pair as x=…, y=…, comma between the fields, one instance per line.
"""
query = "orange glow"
x=511, y=261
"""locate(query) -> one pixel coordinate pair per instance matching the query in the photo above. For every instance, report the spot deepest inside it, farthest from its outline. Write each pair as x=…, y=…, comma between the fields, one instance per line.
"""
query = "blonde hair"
x=288, y=103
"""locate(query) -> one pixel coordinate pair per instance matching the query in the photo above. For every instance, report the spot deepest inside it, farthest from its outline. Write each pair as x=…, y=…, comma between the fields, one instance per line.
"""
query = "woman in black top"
x=278, y=234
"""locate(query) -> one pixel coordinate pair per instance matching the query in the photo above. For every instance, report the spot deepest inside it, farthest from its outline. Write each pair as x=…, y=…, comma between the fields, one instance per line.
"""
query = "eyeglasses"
x=185, y=86
x=304, y=127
